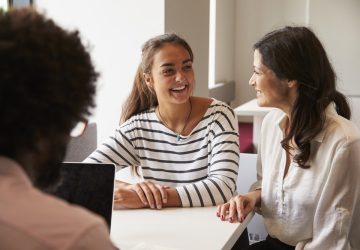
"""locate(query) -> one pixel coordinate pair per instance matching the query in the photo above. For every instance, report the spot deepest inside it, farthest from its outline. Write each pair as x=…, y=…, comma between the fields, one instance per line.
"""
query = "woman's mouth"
x=179, y=88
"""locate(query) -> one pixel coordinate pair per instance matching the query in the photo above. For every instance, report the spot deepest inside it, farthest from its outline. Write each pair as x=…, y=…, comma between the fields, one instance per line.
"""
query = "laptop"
x=90, y=185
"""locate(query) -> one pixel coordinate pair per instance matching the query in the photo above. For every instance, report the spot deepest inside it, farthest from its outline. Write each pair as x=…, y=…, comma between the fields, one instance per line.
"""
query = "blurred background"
x=221, y=33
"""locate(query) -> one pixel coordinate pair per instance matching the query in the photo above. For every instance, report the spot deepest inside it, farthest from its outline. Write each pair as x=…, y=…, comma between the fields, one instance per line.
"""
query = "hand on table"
x=140, y=195
x=238, y=207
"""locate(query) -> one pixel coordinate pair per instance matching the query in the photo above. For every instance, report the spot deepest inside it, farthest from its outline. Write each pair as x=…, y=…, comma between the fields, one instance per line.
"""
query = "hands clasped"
x=140, y=195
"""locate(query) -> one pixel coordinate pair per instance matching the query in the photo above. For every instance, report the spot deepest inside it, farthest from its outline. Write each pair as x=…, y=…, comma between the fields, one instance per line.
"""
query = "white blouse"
x=319, y=207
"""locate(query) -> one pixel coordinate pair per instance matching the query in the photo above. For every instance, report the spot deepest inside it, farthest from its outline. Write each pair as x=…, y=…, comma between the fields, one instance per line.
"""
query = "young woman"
x=186, y=146
x=309, y=157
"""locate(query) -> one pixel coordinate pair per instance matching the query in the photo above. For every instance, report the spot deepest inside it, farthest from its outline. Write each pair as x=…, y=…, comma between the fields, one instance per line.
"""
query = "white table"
x=173, y=228
x=251, y=108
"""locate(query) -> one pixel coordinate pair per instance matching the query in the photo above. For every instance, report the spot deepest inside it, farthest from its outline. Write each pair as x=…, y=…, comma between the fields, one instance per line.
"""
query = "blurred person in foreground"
x=47, y=85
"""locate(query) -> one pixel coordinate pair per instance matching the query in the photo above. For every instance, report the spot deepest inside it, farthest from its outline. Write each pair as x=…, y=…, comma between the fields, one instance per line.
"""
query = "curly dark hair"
x=47, y=80
x=295, y=53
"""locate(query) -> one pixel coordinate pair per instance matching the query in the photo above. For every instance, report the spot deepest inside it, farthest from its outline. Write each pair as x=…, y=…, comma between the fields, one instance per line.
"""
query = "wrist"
x=256, y=196
x=121, y=184
x=173, y=198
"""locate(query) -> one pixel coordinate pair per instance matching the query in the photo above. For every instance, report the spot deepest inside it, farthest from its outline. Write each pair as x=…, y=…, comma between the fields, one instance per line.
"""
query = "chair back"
x=81, y=147
x=246, y=177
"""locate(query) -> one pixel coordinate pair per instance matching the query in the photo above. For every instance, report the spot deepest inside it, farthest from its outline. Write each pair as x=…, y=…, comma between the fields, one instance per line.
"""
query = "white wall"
x=115, y=30
x=225, y=41
x=335, y=22
x=355, y=107
x=253, y=20
x=190, y=19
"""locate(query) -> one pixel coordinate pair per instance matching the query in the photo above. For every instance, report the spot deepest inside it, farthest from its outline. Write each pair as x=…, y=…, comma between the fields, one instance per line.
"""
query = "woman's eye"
x=187, y=67
x=168, y=71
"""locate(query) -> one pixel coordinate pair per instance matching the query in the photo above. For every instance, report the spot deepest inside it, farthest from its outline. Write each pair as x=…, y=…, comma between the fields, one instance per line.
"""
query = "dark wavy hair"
x=142, y=97
x=47, y=80
x=295, y=53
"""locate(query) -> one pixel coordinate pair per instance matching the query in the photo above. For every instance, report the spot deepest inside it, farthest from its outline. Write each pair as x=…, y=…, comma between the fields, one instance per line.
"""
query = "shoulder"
x=219, y=105
x=65, y=211
x=339, y=129
x=57, y=222
x=215, y=106
x=273, y=118
x=82, y=217
x=220, y=115
x=144, y=117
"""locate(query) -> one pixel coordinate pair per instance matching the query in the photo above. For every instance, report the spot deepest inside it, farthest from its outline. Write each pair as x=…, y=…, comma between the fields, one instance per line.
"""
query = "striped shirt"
x=202, y=166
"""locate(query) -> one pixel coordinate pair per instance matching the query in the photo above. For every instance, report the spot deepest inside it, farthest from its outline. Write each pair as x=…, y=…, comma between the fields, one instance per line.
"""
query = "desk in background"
x=251, y=108
x=173, y=228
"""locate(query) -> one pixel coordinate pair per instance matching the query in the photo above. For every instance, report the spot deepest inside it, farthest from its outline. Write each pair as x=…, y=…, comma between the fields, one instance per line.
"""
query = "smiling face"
x=172, y=75
x=270, y=90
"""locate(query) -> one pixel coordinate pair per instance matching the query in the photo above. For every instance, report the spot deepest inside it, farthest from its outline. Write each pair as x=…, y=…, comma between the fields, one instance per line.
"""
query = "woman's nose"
x=180, y=77
x=252, y=80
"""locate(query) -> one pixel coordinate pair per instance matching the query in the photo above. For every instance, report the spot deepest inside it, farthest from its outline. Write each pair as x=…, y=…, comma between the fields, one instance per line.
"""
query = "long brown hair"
x=295, y=53
x=142, y=97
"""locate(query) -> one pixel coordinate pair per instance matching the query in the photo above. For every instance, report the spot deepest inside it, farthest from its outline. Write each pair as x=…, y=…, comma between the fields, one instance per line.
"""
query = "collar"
x=282, y=121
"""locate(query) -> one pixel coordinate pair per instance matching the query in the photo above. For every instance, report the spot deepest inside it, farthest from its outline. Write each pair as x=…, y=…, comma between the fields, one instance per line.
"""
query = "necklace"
x=186, y=121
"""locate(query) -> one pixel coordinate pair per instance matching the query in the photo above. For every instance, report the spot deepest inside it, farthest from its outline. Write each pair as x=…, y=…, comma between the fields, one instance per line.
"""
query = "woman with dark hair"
x=307, y=186
x=187, y=147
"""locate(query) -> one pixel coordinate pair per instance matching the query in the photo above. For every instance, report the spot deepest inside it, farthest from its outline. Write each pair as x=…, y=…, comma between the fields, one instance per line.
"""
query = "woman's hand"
x=140, y=195
x=239, y=206
x=124, y=197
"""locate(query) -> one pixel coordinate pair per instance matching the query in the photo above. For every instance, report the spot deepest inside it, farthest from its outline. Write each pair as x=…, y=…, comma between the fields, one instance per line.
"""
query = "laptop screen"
x=90, y=185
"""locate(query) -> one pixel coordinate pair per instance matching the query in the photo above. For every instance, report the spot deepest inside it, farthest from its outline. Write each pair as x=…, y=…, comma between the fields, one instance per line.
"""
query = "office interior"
x=221, y=34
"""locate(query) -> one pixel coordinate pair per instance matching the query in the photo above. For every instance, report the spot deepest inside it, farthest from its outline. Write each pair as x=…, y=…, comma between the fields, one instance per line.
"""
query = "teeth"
x=179, y=88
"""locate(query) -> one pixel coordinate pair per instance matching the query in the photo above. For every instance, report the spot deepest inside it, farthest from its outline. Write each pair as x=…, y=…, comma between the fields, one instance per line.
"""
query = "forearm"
x=173, y=198
x=256, y=194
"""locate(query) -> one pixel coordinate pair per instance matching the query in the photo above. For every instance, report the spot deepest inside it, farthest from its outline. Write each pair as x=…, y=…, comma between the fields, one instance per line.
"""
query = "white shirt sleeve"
x=117, y=149
x=336, y=219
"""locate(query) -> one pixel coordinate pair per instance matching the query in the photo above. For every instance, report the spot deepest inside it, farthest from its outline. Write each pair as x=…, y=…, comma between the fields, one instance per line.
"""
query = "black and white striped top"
x=203, y=166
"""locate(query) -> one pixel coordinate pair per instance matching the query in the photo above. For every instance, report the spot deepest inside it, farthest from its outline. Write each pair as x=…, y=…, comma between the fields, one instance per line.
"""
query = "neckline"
x=183, y=137
x=178, y=134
